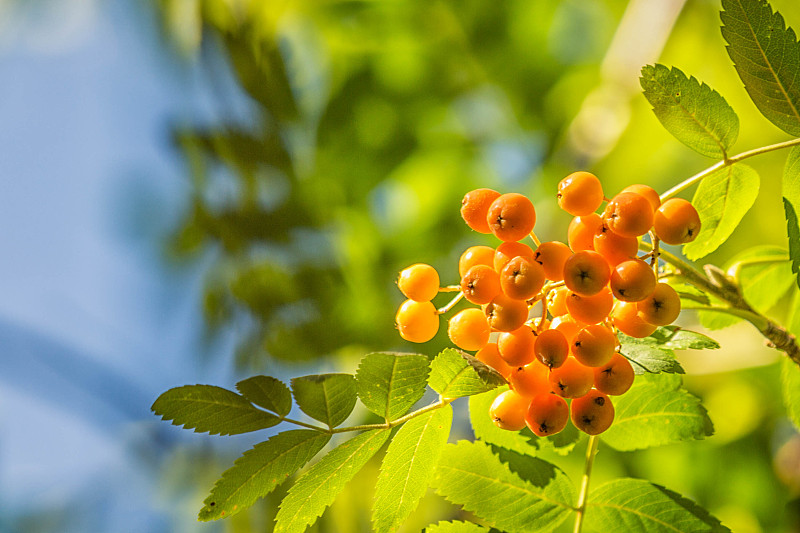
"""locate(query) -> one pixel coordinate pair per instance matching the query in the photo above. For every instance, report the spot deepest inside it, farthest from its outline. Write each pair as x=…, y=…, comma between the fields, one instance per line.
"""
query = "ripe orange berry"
x=581, y=232
x=490, y=355
x=522, y=278
x=475, y=206
x=628, y=320
x=551, y=348
x=547, y=414
x=676, y=221
x=480, y=284
x=580, y=193
x=530, y=380
x=572, y=379
x=508, y=251
x=552, y=255
x=557, y=301
x=419, y=282
x=590, y=309
x=516, y=347
x=417, y=321
x=662, y=307
x=506, y=314
x=646, y=191
x=475, y=255
x=511, y=217
x=508, y=410
x=594, y=345
x=632, y=281
x=586, y=273
x=592, y=413
x=567, y=325
x=614, y=377
x=629, y=214
x=469, y=330
x=615, y=248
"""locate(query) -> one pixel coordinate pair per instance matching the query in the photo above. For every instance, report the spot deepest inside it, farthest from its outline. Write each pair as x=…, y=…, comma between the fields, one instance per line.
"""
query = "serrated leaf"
x=481, y=483
x=694, y=113
x=714, y=320
x=793, y=320
x=656, y=411
x=677, y=338
x=791, y=207
x=315, y=490
x=638, y=506
x=267, y=392
x=721, y=200
x=207, y=408
x=767, y=57
x=256, y=473
x=329, y=398
x=408, y=466
x=455, y=374
x=456, y=527
x=389, y=384
x=790, y=385
x=647, y=356
x=690, y=294
x=764, y=283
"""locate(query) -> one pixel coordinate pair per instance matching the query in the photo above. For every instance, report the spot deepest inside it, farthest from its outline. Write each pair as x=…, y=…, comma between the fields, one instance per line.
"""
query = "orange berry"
x=475, y=255
x=516, y=347
x=586, y=273
x=552, y=255
x=419, y=282
x=508, y=251
x=614, y=377
x=646, y=191
x=557, y=301
x=480, y=284
x=490, y=355
x=662, y=307
x=590, y=309
x=567, y=325
x=572, y=379
x=594, y=345
x=580, y=193
x=629, y=214
x=551, y=348
x=581, y=232
x=628, y=320
x=508, y=410
x=676, y=221
x=475, y=206
x=511, y=217
x=506, y=314
x=530, y=380
x=522, y=278
x=615, y=248
x=632, y=281
x=592, y=413
x=469, y=330
x=417, y=321
x=547, y=414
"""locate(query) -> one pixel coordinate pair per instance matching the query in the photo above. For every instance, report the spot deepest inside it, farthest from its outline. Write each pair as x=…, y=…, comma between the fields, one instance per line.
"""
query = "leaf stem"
x=591, y=452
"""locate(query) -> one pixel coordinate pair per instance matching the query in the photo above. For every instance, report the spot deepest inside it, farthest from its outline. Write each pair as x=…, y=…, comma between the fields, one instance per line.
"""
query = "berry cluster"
x=588, y=289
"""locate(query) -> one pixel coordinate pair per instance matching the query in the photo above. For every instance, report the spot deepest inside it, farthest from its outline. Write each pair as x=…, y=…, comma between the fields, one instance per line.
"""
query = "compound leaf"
x=212, y=409
x=267, y=392
x=256, y=473
x=767, y=57
x=765, y=275
x=721, y=200
x=329, y=398
x=389, y=384
x=456, y=527
x=455, y=374
x=408, y=467
x=654, y=412
x=693, y=112
x=635, y=505
x=791, y=207
x=315, y=490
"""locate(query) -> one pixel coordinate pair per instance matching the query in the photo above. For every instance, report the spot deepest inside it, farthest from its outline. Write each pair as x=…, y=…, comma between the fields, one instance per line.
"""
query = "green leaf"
x=721, y=200
x=790, y=381
x=768, y=276
x=256, y=473
x=456, y=527
x=481, y=483
x=767, y=58
x=389, y=384
x=329, y=398
x=791, y=207
x=646, y=355
x=212, y=409
x=315, y=490
x=793, y=320
x=693, y=112
x=654, y=412
x=455, y=374
x=408, y=466
x=677, y=338
x=267, y=392
x=717, y=320
x=638, y=506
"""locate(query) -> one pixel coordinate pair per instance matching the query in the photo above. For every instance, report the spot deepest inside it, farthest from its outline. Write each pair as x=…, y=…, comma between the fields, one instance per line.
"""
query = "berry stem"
x=536, y=240
x=450, y=304
x=591, y=452
x=450, y=288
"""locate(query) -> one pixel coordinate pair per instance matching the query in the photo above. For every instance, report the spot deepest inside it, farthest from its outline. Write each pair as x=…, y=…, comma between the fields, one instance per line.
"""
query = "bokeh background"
x=195, y=191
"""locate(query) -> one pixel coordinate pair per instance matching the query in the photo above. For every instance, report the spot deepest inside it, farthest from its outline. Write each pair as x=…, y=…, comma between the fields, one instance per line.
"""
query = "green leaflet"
x=721, y=200
x=456, y=527
x=765, y=275
x=790, y=385
x=791, y=207
x=654, y=412
x=477, y=479
x=677, y=338
x=408, y=466
x=267, y=392
x=767, y=57
x=647, y=356
x=455, y=374
x=315, y=490
x=256, y=473
x=212, y=409
x=389, y=384
x=329, y=398
x=638, y=506
x=693, y=112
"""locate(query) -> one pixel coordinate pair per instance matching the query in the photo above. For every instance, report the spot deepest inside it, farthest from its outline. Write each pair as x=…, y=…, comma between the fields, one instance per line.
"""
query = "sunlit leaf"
x=389, y=384
x=329, y=398
x=646, y=355
x=791, y=207
x=790, y=381
x=677, y=338
x=267, y=392
x=456, y=527
x=455, y=374
x=765, y=275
